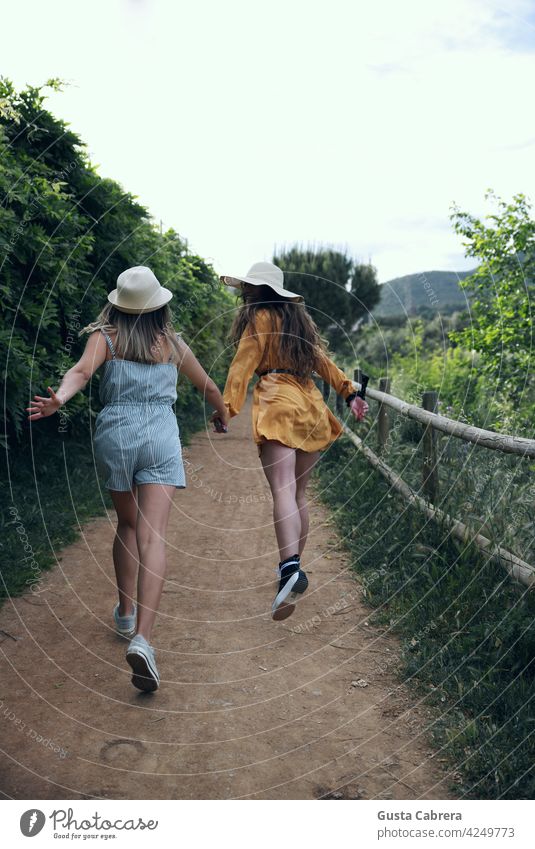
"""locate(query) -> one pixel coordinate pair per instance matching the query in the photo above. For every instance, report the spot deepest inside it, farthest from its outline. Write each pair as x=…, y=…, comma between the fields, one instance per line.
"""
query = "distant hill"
x=437, y=291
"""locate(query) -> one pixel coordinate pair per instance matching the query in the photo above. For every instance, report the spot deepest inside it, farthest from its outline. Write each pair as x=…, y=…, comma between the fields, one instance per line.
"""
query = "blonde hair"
x=139, y=337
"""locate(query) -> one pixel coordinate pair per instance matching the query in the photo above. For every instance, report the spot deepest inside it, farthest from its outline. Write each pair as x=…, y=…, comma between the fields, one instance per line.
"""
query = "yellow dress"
x=283, y=409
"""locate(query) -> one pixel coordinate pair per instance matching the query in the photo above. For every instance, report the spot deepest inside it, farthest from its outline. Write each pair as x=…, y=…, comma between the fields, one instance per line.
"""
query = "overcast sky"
x=246, y=124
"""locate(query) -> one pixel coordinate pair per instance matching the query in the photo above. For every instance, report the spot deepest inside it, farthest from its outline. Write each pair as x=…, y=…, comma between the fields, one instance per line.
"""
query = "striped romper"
x=136, y=436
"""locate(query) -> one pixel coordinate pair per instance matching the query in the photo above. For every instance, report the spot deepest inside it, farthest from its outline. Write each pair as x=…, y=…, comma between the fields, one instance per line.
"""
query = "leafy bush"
x=502, y=290
x=65, y=235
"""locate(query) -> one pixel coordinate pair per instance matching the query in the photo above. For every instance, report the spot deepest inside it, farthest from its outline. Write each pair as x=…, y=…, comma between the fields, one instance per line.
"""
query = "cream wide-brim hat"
x=139, y=291
x=263, y=274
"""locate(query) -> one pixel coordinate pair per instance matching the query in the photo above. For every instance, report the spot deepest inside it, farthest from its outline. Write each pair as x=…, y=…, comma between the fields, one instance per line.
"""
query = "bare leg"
x=278, y=462
x=304, y=463
x=125, y=554
x=154, y=502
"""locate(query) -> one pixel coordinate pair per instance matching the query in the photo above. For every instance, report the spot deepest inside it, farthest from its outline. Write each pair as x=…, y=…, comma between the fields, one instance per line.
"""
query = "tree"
x=337, y=290
x=502, y=288
x=364, y=288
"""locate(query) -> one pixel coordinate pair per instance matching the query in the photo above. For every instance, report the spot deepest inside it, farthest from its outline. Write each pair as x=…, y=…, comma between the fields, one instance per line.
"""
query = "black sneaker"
x=293, y=583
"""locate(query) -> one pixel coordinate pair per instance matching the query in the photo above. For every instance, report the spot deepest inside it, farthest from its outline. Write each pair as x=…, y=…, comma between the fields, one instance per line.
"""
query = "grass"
x=467, y=631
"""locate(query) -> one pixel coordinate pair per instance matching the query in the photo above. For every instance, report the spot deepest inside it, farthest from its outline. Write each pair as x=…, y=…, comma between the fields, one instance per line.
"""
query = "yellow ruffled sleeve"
x=247, y=358
x=334, y=376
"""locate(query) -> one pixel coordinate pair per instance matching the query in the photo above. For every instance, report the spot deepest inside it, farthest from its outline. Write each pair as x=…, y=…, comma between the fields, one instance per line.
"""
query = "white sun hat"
x=138, y=291
x=263, y=274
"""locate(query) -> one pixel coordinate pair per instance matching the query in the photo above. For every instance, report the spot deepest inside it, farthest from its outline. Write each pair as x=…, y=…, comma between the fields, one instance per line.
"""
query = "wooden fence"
x=432, y=421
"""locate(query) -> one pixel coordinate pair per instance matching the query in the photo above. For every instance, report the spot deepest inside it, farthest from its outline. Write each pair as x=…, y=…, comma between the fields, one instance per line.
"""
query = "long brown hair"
x=300, y=340
x=138, y=337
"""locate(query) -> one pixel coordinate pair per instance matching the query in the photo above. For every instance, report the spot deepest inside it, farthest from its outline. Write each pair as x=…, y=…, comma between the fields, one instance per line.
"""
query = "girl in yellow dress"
x=277, y=339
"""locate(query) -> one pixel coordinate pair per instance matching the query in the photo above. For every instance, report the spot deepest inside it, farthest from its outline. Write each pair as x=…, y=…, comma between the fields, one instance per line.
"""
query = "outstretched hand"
x=42, y=407
x=220, y=422
x=359, y=408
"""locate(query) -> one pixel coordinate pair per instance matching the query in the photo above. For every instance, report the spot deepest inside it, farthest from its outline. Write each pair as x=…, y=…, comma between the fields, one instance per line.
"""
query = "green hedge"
x=65, y=235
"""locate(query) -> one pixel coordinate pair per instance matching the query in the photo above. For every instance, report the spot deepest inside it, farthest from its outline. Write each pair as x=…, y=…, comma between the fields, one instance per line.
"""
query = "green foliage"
x=420, y=355
x=502, y=291
x=65, y=235
x=451, y=372
x=337, y=290
x=417, y=355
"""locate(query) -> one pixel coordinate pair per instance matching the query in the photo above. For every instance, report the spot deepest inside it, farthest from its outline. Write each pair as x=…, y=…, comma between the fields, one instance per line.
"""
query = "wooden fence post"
x=383, y=421
x=430, y=470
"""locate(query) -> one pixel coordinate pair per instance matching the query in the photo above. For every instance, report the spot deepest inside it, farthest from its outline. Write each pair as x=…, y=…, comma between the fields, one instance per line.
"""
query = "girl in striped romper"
x=137, y=444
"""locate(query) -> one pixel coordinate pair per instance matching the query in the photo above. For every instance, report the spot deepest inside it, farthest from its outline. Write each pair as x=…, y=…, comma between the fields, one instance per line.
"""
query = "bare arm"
x=73, y=380
x=189, y=366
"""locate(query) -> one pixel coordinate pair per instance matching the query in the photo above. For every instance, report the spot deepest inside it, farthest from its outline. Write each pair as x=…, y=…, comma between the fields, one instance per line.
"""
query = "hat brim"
x=236, y=283
x=163, y=297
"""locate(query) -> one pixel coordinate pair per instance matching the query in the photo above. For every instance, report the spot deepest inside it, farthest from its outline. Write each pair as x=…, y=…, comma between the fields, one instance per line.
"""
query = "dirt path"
x=247, y=707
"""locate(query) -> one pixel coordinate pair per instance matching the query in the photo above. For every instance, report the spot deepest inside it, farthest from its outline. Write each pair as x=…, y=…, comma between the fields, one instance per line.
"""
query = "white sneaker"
x=140, y=656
